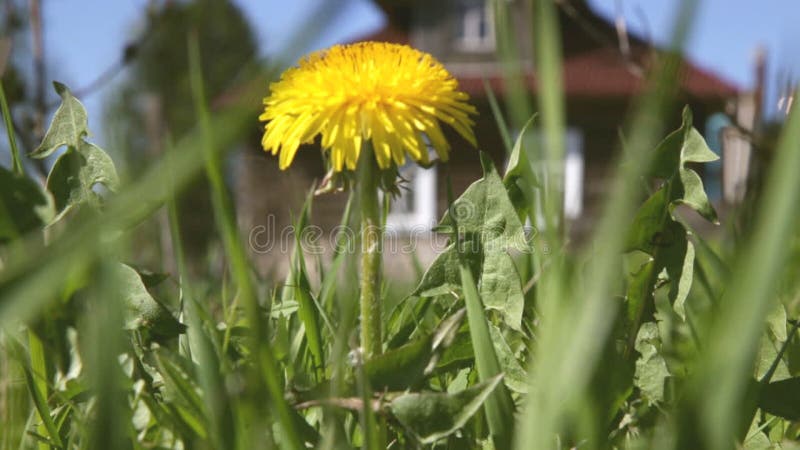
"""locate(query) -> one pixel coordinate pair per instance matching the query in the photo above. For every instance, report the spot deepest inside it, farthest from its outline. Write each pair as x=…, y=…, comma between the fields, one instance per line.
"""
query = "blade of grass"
x=37, y=395
x=38, y=367
x=342, y=247
x=727, y=365
x=499, y=406
x=517, y=97
x=184, y=341
x=300, y=290
x=217, y=403
x=104, y=332
x=498, y=116
x=200, y=345
x=16, y=162
x=226, y=223
x=548, y=62
x=574, y=332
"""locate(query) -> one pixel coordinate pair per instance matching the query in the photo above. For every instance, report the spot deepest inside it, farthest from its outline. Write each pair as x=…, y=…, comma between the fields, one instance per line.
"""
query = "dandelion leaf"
x=26, y=206
x=69, y=126
x=488, y=227
x=781, y=398
x=142, y=311
x=651, y=369
x=75, y=174
x=434, y=416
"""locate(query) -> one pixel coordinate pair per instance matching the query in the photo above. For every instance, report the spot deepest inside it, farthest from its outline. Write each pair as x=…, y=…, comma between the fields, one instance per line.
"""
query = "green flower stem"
x=371, y=236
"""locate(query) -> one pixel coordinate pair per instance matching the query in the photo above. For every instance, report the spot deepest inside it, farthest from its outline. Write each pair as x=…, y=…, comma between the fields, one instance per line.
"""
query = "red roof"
x=603, y=73
x=389, y=33
x=599, y=72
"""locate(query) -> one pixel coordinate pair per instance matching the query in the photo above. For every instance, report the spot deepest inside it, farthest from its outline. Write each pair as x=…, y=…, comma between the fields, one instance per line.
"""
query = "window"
x=572, y=176
x=475, y=32
x=415, y=208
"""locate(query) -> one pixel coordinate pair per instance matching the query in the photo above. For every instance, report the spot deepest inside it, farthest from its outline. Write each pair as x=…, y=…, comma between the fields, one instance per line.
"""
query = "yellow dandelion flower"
x=390, y=94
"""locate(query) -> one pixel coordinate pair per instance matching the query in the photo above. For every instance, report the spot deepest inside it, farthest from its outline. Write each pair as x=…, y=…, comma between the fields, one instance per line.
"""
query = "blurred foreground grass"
x=650, y=337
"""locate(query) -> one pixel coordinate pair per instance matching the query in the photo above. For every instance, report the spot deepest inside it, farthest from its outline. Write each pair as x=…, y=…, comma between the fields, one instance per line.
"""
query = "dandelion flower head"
x=390, y=94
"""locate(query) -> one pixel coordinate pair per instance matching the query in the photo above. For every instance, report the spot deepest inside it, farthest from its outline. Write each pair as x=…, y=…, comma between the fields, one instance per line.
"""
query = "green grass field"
x=646, y=337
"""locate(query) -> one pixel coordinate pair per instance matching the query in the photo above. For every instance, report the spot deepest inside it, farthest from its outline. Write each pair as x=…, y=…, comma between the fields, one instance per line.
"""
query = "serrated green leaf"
x=656, y=233
x=433, y=416
x=501, y=289
x=781, y=398
x=403, y=367
x=767, y=356
x=142, y=311
x=26, y=206
x=76, y=172
x=150, y=278
x=756, y=439
x=777, y=322
x=68, y=127
x=489, y=226
x=484, y=210
x=655, y=229
x=682, y=146
x=651, y=369
x=638, y=294
x=400, y=368
x=520, y=176
x=647, y=232
x=458, y=355
x=518, y=164
x=694, y=195
x=442, y=277
x=514, y=375
x=684, y=281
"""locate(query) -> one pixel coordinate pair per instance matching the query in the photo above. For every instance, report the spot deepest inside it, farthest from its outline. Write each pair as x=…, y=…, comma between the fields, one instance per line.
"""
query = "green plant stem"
x=16, y=162
x=371, y=235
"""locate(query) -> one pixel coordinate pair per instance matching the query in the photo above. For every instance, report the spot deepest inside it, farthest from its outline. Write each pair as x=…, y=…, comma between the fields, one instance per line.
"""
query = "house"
x=601, y=77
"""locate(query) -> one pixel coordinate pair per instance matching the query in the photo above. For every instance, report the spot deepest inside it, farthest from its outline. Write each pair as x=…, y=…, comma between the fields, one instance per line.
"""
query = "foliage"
x=695, y=351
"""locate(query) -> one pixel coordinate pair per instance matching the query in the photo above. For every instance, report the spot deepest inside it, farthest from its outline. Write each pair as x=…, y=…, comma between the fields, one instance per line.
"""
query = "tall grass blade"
x=299, y=289
x=726, y=366
x=573, y=333
x=498, y=406
x=511, y=60
x=105, y=336
x=502, y=126
x=38, y=395
x=16, y=162
x=550, y=90
x=223, y=213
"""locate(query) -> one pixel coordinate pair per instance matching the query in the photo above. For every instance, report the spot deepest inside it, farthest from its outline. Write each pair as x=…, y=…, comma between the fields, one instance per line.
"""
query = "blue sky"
x=726, y=34
x=85, y=36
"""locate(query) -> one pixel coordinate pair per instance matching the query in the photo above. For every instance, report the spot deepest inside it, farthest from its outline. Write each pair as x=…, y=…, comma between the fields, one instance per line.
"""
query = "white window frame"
x=470, y=38
x=422, y=185
x=572, y=176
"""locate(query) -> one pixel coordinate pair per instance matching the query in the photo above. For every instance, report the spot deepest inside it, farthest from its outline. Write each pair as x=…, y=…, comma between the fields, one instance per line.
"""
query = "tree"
x=155, y=103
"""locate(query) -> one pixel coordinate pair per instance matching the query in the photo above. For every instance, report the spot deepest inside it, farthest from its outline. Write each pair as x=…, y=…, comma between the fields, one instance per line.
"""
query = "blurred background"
x=126, y=60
